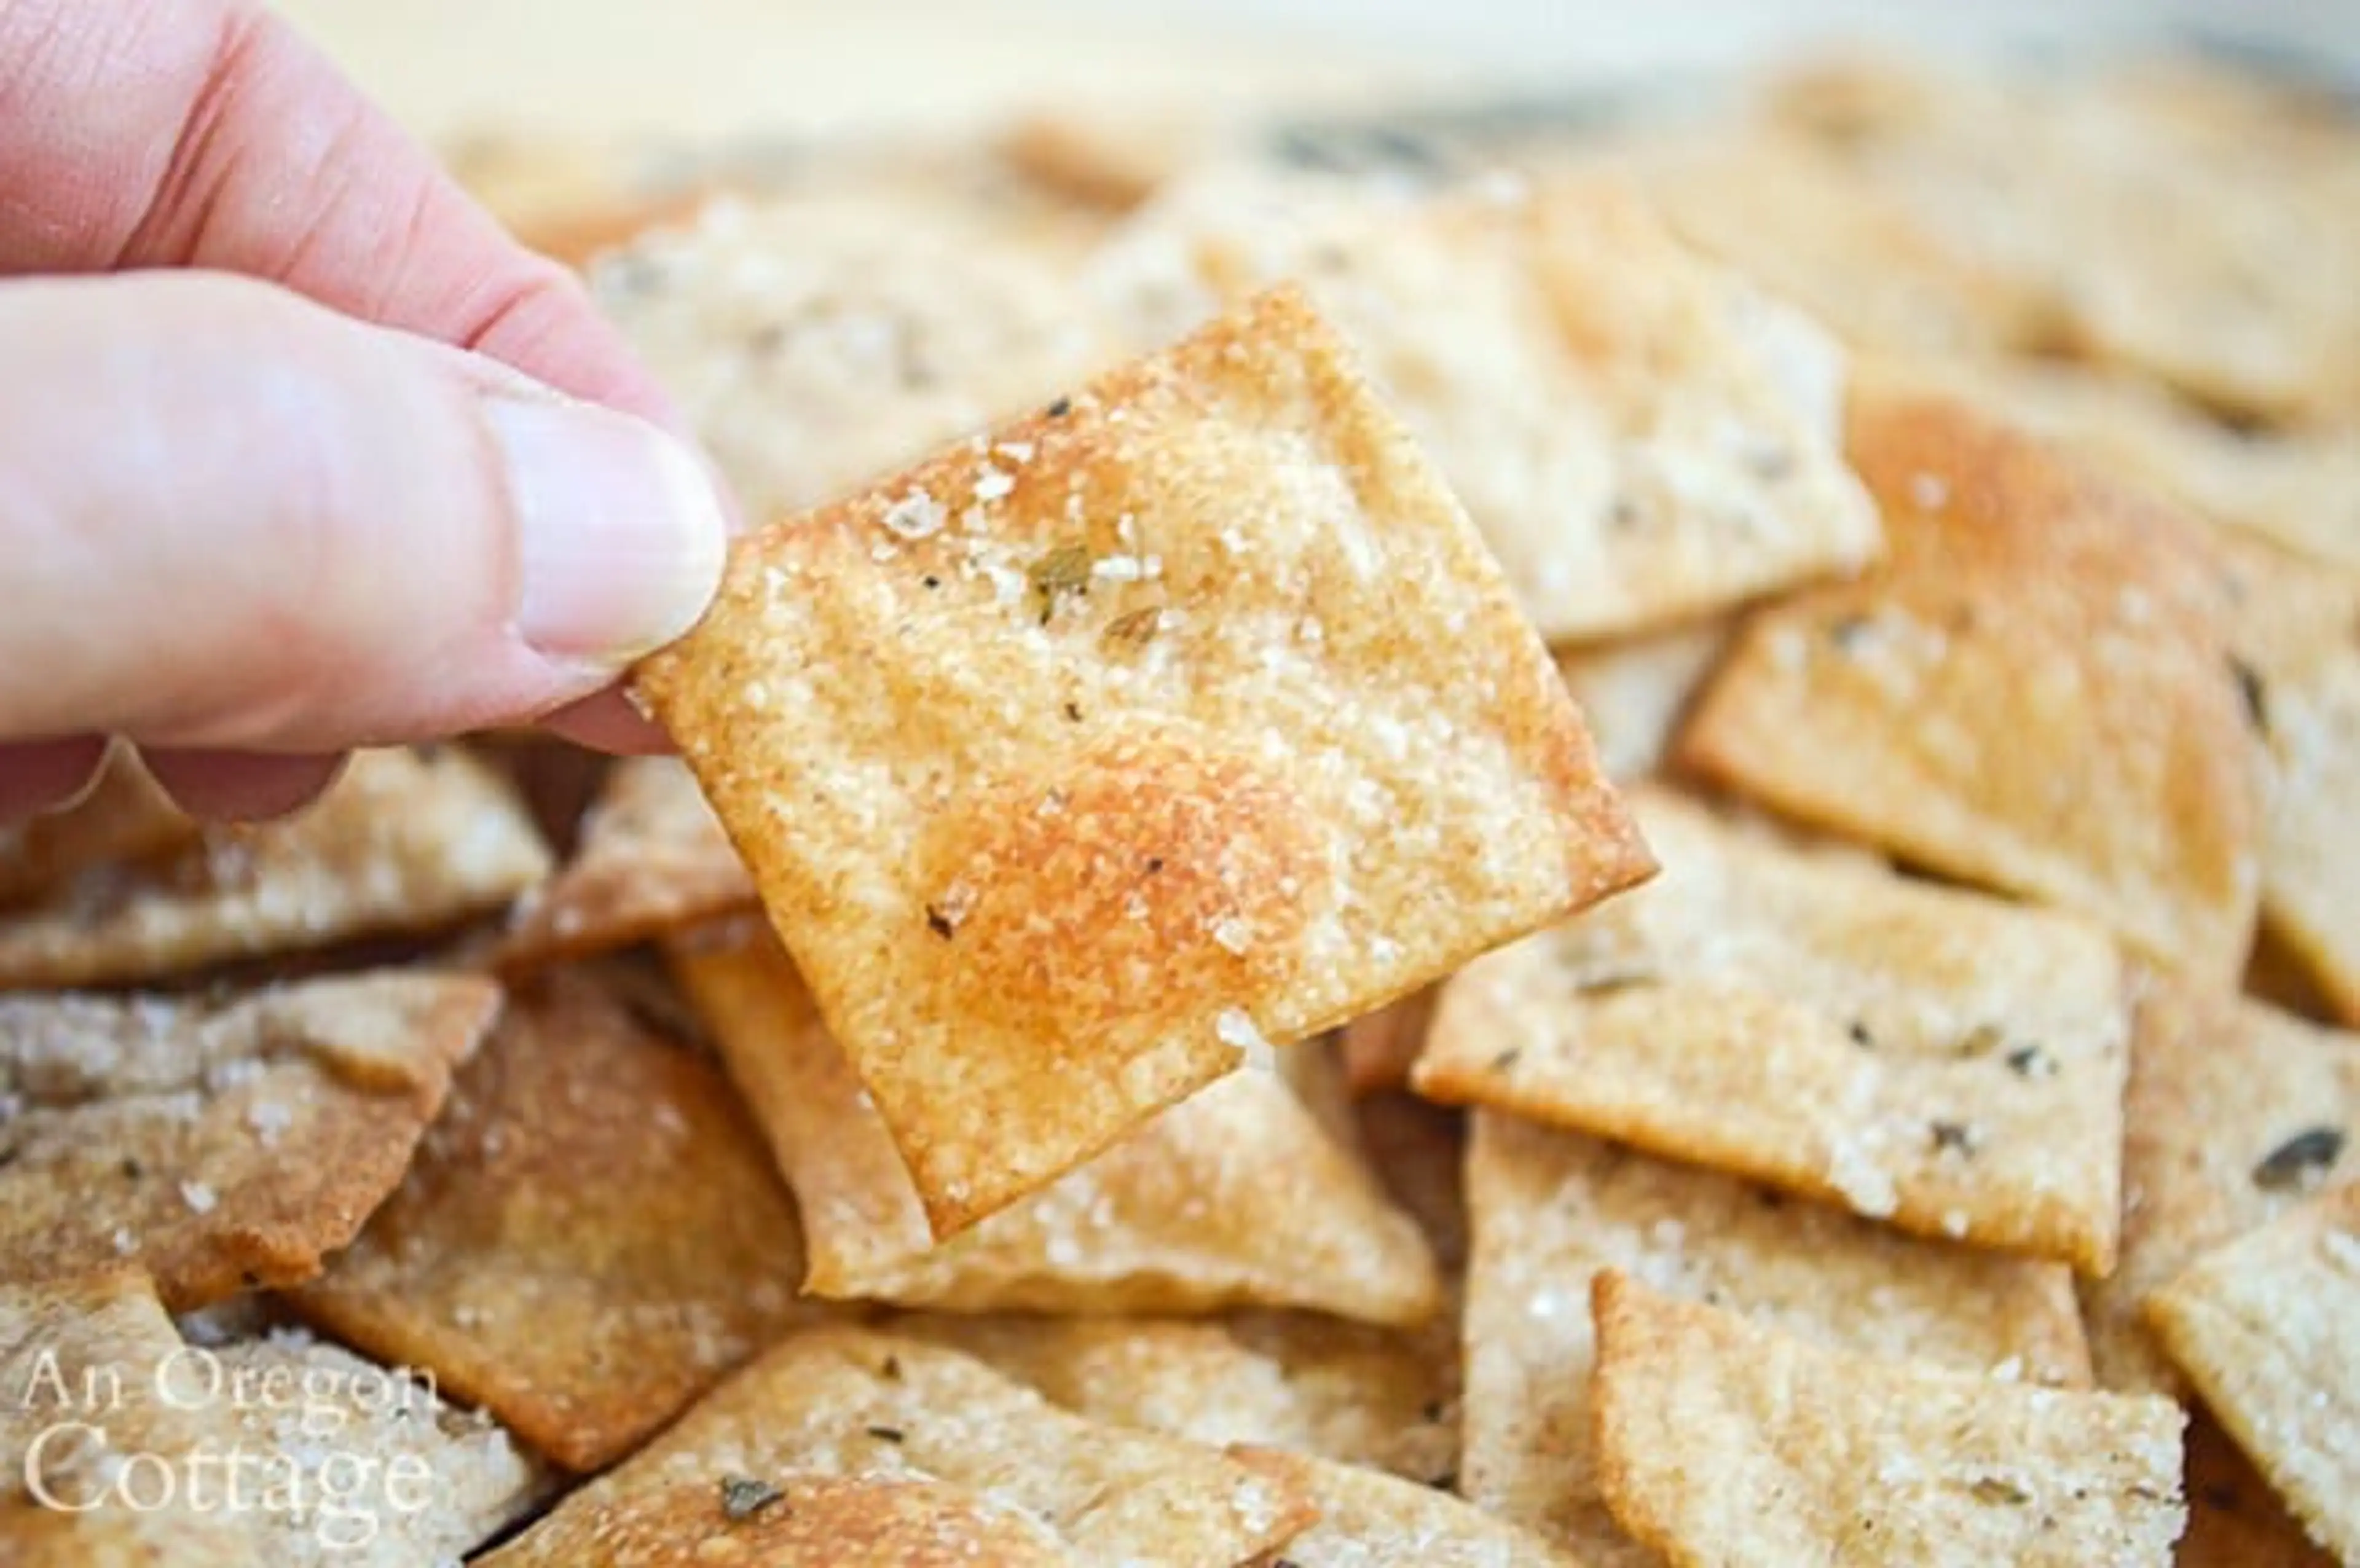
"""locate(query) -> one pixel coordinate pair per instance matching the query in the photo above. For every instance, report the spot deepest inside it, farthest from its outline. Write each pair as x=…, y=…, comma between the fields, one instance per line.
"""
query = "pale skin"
x=299, y=450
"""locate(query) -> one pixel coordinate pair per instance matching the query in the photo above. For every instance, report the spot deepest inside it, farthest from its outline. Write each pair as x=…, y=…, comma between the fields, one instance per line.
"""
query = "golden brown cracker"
x=858, y=1405
x=1551, y=1209
x=125, y=816
x=1721, y=1440
x=1367, y=1518
x=403, y=841
x=1235, y=1195
x=221, y=1145
x=592, y=1236
x=2030, y=613
x=1947, y=1063
x=1641, y=436
x=1134, y=784
x=2268, y=1328
x=653, y=859
x=2234, y=1113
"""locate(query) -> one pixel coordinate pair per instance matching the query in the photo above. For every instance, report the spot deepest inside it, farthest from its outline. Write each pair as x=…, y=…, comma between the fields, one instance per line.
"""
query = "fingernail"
x=621, y=532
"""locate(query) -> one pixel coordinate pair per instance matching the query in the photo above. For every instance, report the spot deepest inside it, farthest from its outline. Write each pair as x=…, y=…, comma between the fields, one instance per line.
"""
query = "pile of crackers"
x=1495, y=838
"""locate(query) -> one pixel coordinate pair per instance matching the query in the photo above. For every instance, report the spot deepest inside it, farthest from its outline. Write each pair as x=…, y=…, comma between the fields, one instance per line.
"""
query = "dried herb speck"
x=742, y=1497
x=1133, y=628
x=132, y=1169
x=1608, y=982
x=1061, y=408
x=2291, y=1163
x=2031, y=1061
x=891, y=1370
x=940, y=923
x=1065, y=569
x=1507, y=1059
x=1980, y=1040
x=886, y=1434
x=1073, y=712
x=1860, y=1035
x=1992, y=1490
x=2256, y=694
x=1956, y=1137
x=1848, y=633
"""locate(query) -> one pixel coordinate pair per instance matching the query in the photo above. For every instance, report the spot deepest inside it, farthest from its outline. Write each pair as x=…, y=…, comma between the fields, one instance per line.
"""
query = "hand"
x=298, y=451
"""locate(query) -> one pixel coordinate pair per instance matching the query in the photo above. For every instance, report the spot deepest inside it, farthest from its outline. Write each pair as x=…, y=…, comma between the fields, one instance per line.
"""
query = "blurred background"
x=700, y=68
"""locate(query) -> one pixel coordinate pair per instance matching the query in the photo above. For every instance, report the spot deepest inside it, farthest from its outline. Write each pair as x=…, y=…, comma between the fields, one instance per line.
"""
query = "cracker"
x=125, y=817
x=1235, y=1195
x=1551, y=1209
x=1948, y=1062
x=652, y=859
x=2029, y=612
x=278, y=1449
x=1380, y=1048
x=2234, y=1113
x=2234, y=1521
x=1721, y=1440
x=1641, y=436
x=1368, y=1519
x=404, y=842
x=221, y=1145
x=1633, y=693
x=1291, y=1380
x=854, y=1404
x=1125, y=791
x=592, y=1236
x=2268, y=1328
x=820, y=339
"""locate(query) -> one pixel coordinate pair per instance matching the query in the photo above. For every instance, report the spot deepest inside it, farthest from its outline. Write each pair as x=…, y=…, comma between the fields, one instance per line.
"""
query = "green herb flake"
x=886, y=1434
x=1992, y=1490
x=2290, y=1166
x=1065, y=569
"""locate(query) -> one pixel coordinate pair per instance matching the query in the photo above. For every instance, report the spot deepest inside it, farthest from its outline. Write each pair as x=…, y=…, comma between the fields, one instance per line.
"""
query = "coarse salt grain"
x=198, y=1196
x=916, y=515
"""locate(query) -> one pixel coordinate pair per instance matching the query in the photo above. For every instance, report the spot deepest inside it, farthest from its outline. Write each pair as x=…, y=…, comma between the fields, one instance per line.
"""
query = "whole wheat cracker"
x=1138, y=780
x=1722, y=1441
x=1236, y=1195
x=220, y=1145
x=1370, y=1519
x=1552, y=1209
x=403, y=841
x=1947, y=1063
x=2030, y=610
x=591, y=1236
x=2268, y=1328
x=856, y=1404
x=1291, y=1380
x=1641, y=436
x=2234, y=1113
x=652, y=859
x=125, y=816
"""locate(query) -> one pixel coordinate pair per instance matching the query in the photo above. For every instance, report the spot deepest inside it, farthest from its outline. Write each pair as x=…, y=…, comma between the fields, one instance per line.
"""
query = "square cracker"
x=1948, y=1062
x=2031, y=615
x=652, y=859
x=126, y=816
x=1292, y=1380
x=592, y=1236
x=1723, y=1441
x=1235, y=1195
x=2234, y=1113
x=1370, y=1519
x=1075, y=760
x=854, y=1404
x=283, y=1450
x=220, y=1145
x=1641, y=435
x=1552, y=1209
x=403, y=841
x=2268, y=1330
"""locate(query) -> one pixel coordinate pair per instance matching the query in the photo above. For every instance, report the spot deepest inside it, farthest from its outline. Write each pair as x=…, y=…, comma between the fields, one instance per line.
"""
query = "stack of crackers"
x=1473, y=839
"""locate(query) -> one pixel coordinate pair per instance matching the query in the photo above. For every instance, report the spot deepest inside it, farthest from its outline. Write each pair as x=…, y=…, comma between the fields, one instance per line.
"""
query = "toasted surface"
x=2268, y=1330
x=1289, y=1380
x=1104, y=803
x=818, y=340
x=1235, y=1196
x=1641, y=435
x=2236, y=1111
x=1635, y=692
x=126, y=817
x=1552, y=1209
x=1720, y=1439
x=2029, y=611
x=2234, y=1519
x=404, y=840
x=342, y=1460
x=591, y=1236
x=221, y=1145
x=1369, y=1520
x=1945, y=1061
x=652, y=859
x=871, y=1407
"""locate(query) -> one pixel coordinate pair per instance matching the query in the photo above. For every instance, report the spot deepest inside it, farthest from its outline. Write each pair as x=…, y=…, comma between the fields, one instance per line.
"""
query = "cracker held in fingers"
x=1724, y=1442
x=1188, y=715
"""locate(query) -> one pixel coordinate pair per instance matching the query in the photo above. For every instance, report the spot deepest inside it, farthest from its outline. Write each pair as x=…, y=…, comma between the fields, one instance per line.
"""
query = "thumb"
x=232, y=519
